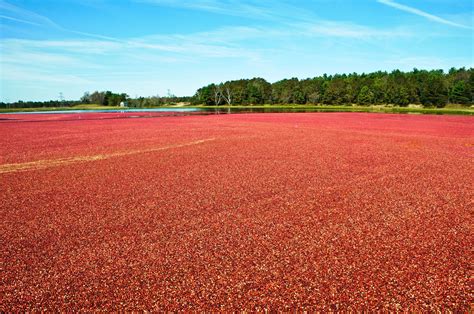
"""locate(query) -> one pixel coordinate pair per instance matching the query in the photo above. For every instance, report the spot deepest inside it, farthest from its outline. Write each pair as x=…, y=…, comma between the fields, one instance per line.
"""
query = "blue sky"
x=150, y=47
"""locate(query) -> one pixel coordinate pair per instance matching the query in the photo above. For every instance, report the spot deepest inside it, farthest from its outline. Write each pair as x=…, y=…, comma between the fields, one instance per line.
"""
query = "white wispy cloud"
x=263, y=9
x=18, y=20
x=18, y=14
x=92, y=61
x=29, y=59
x=28, y=74
x=421, y=13
x=24, y=16
x=222, y=43
x=213, y=44
x=172, y=47
x=340, y=29
x=72, y=46
x=292, y=21
x=226, y=7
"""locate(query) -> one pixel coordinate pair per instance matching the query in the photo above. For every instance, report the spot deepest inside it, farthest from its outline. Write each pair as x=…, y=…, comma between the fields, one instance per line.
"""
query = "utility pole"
x=61, y=98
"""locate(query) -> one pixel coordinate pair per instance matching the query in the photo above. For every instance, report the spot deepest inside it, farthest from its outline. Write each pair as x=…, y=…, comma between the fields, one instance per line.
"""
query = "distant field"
x=326, y=211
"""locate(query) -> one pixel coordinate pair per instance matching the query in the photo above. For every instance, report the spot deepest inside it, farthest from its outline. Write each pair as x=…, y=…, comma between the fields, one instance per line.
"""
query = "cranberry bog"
x=309, y=211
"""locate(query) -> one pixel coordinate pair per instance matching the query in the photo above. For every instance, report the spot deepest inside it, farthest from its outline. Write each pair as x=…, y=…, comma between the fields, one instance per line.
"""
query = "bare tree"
x=217, y=94
x=227, y=94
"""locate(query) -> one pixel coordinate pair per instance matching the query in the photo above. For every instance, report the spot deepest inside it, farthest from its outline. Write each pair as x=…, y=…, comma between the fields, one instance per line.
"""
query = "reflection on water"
x=272, y=110
x=348, y=109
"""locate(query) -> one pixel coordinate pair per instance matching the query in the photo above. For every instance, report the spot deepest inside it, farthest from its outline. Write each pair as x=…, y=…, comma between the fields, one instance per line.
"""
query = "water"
x=347, y=109
x=107, y=110
x=274, y=110
x=208, y=111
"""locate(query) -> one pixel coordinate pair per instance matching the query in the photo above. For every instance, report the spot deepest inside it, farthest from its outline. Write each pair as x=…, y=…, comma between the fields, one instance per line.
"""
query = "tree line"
x=112, y=99
x=428, y=88
x=102, y=98
x=40, y=104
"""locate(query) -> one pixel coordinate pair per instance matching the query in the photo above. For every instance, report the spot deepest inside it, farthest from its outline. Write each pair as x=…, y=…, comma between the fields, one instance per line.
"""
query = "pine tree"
x=366, y=96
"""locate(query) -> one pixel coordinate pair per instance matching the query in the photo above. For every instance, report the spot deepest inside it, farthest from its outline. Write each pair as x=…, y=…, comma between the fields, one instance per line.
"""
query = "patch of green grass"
x=93, y=107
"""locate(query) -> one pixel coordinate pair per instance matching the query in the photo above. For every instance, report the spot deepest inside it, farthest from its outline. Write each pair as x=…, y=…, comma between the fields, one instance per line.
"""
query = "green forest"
x=434, y=88
x=429, y=88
